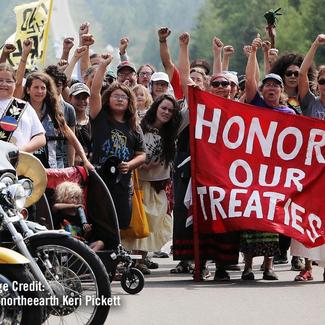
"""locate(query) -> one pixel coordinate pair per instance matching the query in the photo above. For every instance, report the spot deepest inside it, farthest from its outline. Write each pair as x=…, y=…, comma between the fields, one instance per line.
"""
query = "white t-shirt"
x=29, y=124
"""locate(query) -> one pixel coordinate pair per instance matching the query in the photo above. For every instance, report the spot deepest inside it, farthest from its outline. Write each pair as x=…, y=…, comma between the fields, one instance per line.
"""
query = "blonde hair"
x=67, y=191
x=148, y=98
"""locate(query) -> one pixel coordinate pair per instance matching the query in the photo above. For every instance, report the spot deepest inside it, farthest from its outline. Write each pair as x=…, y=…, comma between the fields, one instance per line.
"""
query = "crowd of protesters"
x=137, y=118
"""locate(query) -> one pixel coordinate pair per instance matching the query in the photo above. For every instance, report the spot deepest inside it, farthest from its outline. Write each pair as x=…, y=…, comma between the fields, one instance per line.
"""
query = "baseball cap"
x=110, y=73
x=219, y=75
x=273, y=76
x=126, y=64
x=232, y=76
x=241, y=82
x=159, y=76
x=79, y=88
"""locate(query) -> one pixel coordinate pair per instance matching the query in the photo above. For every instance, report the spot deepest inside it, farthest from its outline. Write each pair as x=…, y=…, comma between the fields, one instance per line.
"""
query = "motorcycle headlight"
x=18, y=195
x=7, y=179
x=27, y=185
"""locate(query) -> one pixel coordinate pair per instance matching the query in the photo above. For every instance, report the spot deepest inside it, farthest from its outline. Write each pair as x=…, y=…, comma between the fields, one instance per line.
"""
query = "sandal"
x=182, y=267
x=304, y=276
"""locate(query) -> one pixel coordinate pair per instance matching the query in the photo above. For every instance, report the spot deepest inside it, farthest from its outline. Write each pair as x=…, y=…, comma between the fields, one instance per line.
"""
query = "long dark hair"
x=51, y=99
x=130, y=114
x=284, y=61
x=168, y=131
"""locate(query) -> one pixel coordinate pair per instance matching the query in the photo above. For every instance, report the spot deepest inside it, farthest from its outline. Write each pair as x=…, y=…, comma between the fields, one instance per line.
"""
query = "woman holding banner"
x=255, y=243
x=314, y=107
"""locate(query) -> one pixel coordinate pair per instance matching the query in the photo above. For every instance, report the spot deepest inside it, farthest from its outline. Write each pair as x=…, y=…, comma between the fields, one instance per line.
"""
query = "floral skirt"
x=256, y=243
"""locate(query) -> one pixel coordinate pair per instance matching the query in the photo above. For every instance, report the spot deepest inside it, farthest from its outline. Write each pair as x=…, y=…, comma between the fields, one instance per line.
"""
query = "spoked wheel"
x=22, y=314
x=132, y=281
x=78, y=279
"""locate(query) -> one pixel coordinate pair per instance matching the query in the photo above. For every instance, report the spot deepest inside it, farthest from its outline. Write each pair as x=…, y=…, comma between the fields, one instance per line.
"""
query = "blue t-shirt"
x=260, y=102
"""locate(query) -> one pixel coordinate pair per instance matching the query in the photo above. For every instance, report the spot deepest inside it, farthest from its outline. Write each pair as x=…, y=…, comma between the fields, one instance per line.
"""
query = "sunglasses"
x=321, y=81
x=290, y=73
x=223, y=84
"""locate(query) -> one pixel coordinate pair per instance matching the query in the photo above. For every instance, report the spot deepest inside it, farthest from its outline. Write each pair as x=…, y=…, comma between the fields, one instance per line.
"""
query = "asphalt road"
x=169, y=299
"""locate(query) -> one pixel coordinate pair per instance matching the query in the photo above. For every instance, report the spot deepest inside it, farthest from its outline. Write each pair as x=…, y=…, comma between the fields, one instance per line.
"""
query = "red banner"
x=255, y=168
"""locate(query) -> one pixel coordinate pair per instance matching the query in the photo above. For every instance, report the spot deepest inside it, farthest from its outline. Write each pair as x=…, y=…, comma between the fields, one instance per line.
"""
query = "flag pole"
x=196, y=239
x=46, y=32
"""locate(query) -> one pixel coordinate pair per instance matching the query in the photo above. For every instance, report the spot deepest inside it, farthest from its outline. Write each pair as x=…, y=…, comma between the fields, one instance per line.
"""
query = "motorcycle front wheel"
x=21, y=313
x=78, y=278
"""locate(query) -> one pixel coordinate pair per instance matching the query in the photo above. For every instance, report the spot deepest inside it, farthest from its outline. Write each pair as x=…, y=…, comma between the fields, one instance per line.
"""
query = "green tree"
x=236, y=23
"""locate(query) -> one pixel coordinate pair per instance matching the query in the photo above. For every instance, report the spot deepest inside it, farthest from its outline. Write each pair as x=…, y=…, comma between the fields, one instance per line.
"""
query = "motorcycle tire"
x=81, y=258
x=132, y=281
x=31, y=314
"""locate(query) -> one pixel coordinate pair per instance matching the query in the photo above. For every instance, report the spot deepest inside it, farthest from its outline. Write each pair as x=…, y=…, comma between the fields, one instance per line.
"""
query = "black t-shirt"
x=83, y=133
x=114, y=139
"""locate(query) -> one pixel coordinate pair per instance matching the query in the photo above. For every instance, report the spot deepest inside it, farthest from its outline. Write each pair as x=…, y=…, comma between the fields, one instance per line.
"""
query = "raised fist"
x=184, y=39
x=257, y=42
x=62, y=65
x=27, y=45
x=320, y=39
x=228, y=50
x=68, y=43
x=80, y=51
x=9, y=48
x=163, y=33
x=124, y=42
x=87, y=40
x=107, y=58
x=217, y=44
x=247, y=50
x=266, y=45
x=84, y=28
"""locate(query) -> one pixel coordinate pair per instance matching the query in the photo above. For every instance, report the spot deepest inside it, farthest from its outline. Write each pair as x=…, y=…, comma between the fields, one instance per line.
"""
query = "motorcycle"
x=70, y=273
x=16, y=284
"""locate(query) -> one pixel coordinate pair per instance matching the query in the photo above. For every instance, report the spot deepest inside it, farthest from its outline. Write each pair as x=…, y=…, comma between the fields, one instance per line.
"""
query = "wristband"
x=162, y=41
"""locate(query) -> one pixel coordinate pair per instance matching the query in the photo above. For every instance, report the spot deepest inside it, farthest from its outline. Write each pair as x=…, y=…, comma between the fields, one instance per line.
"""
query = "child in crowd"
x=69, y=213
x=143, y=100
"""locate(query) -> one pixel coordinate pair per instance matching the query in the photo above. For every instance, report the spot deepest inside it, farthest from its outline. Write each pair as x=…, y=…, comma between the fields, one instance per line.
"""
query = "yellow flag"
x=33, y=21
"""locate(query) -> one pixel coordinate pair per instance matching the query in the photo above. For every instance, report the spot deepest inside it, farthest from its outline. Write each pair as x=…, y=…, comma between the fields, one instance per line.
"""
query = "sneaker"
x=297, y=263
x=150, y=264
x=248, y=275
x=270, y=275
x=221, y=275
